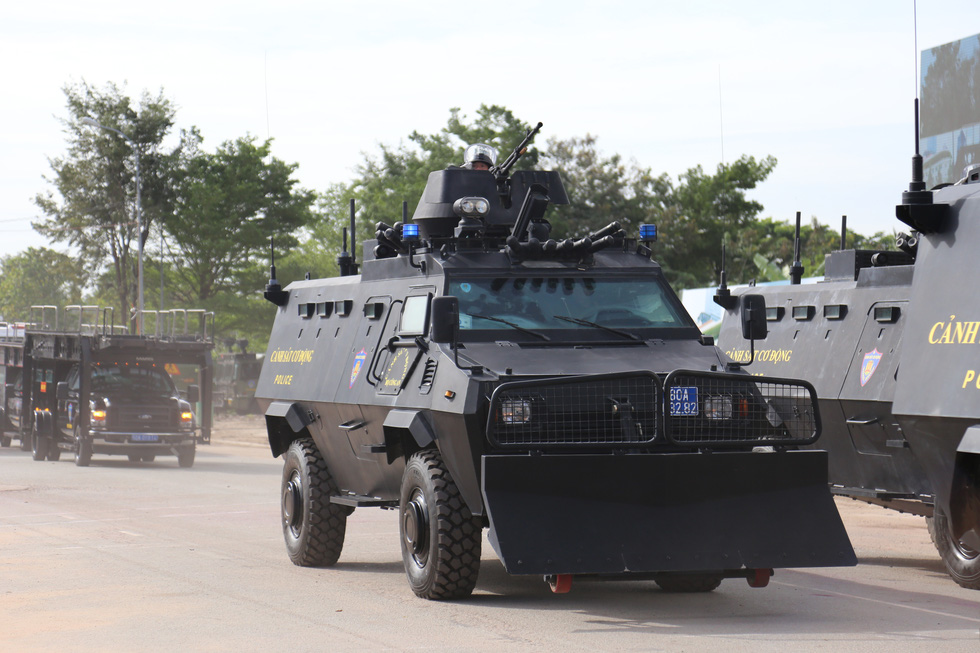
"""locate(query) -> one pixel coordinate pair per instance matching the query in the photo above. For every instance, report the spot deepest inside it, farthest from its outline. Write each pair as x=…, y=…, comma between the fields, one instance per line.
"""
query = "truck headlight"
x=515, y=411
x=718, y=407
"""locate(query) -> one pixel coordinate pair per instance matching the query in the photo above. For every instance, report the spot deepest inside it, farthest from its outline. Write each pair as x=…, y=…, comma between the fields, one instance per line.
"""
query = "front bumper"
x=643, y=513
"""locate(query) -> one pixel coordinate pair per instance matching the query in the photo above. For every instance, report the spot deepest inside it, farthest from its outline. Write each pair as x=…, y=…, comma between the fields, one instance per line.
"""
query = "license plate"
x=145, y=437
x=684, y=401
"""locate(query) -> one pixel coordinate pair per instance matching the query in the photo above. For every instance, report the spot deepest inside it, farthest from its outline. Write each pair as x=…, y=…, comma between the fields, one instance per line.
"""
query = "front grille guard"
x=734, y=409
x=706, y=410
x=599, y=410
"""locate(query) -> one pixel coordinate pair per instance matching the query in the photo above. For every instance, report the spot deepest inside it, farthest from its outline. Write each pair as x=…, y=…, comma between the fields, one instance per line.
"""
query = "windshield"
x=569, y=304
x=110, y=379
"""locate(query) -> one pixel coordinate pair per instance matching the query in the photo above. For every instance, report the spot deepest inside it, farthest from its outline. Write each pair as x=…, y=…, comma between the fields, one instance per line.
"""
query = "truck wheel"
x=962, y=562
x=83, y=449
x=39, y=445
x=440, y=539
x=25, y=442
x=4, y=441
x=688, y=582
x=54, y=451
x=313, y=527
x=185, y=455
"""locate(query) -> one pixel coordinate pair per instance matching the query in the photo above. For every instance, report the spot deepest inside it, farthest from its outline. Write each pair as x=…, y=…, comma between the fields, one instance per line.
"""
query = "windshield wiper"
x=510, y=324
x=618, y=332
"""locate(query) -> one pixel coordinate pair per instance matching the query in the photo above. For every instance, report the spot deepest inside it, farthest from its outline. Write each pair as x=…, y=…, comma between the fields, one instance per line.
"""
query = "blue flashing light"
x=648, y=233
x=410, y=231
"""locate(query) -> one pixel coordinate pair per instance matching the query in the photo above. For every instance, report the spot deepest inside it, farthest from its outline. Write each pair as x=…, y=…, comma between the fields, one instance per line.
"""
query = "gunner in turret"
x=479, y=156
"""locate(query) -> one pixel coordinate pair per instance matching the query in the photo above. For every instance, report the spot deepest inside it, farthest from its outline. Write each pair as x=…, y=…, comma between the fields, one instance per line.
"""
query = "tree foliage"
x=38, y=276
x=96, y=181
x=227, y=206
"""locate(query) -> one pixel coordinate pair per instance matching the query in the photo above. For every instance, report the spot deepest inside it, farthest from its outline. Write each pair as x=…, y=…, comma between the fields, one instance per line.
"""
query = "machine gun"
x=500, y=172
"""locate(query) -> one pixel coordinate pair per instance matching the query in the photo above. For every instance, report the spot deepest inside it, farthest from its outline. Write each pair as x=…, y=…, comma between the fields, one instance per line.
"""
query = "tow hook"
x=560, y=583
x=758, y=577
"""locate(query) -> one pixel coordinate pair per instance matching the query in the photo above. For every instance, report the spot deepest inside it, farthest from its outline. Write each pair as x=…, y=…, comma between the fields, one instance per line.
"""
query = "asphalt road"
x=150, y=557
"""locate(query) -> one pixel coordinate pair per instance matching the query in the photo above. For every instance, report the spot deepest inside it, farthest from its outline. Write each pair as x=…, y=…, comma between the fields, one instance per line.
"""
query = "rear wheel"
x=688, y=582
x=440, y=538
x=54, y=452
x=313, y=527
x=962, y=562
x=4, y=441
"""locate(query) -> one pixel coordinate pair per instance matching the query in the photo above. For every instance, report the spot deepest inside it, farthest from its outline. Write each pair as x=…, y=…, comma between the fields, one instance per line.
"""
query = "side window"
x=414, y=318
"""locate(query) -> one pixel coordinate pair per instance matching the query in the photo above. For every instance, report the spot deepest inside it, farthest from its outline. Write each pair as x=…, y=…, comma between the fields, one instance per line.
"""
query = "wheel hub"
x=415, y=526
x=292, y=502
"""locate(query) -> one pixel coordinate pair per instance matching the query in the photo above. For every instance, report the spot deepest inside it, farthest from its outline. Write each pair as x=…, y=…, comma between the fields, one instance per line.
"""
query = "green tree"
x=96, y=181
x=227, y=206
x=38, y=276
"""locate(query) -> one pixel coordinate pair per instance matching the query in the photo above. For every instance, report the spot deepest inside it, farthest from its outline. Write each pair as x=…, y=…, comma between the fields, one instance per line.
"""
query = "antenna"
x=273, y=291
x=721, y=117
x=723, y=297
x=796, y=270
x=917, y=209
x=353, y=247
x=843, y=232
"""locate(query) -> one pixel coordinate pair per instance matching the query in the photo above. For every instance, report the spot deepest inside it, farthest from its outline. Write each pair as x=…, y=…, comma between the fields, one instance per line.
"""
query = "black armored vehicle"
x=891, y=341
x=478, y=373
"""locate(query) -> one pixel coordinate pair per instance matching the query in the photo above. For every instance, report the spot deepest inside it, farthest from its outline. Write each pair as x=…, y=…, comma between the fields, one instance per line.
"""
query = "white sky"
x=826, y=87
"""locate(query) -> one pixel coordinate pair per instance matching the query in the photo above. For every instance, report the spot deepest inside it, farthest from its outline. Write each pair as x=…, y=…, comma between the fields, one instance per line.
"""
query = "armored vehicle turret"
x=891, y=341
x=473, y=372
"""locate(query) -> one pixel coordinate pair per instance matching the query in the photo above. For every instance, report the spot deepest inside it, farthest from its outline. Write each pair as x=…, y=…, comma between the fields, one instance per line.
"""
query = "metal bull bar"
x=719, y=506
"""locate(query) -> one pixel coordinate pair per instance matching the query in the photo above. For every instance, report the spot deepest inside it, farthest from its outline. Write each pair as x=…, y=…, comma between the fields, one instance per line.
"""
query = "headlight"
x=98, y=418
x=718, y=407
x=515, y=411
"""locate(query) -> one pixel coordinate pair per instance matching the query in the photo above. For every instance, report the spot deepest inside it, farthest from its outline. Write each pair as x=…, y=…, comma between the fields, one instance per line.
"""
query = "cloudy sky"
x=826, y=87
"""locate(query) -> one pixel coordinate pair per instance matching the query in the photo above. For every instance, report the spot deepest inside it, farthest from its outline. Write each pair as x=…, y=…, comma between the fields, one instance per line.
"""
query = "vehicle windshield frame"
x=571, y=294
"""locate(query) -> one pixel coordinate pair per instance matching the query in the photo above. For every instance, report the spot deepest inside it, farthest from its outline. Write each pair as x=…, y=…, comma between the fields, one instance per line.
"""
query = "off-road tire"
x=4, y=441
x=83, y=449
x=25, y=443
x=688, y=583
x=186, y=455
x=962, y=563
x=312, y=527
x=441, y=540
x=54, y=451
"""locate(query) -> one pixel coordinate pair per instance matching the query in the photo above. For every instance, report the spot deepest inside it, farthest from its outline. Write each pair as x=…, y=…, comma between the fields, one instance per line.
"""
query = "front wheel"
x=313, y=527
x=186, y=454
x=962, y=562
x=440, y=539
x=39, y=444
x=83, y=449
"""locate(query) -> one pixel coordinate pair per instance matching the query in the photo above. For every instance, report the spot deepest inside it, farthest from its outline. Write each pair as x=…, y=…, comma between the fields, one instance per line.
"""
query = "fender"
x=281, y=414
x=399, y=424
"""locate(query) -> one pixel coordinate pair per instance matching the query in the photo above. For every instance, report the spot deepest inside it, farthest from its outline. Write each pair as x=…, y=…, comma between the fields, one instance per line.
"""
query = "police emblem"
x=356, y=369
x=870, y=364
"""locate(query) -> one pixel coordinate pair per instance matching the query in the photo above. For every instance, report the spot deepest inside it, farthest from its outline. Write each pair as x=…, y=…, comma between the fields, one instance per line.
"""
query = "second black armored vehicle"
x=891, y=341
x=478, y=373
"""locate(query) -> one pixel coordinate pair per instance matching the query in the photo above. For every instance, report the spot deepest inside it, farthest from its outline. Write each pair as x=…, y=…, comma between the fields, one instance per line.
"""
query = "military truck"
x=890, y=341
x=474, y=372
x=236, y=374
x=76, y=382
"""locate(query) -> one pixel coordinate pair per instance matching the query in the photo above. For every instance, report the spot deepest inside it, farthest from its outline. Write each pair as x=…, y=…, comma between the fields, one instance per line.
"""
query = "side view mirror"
x=753, y=316
x=193, y=393
x=444, y=319
x=61, y=391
